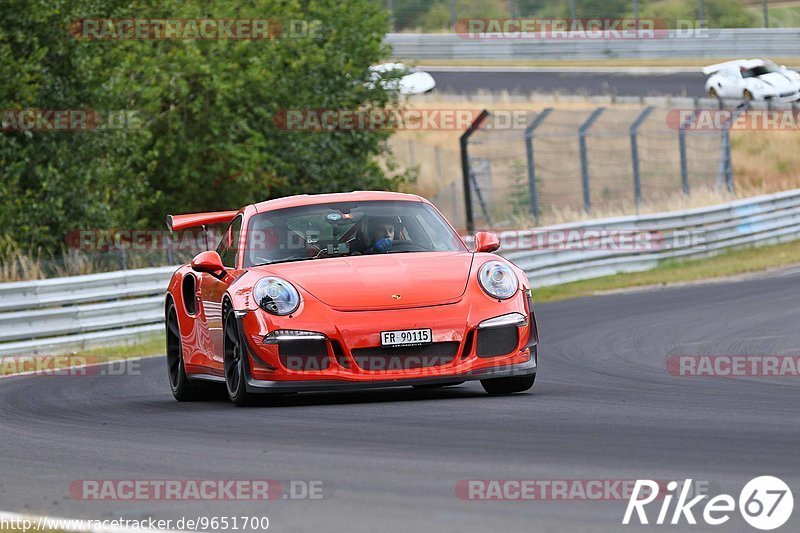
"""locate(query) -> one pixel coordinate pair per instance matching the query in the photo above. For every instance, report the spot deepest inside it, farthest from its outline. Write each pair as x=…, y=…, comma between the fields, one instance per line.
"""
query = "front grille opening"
x=497, y=341
x=304, y=355
x=339, y=354
x=406, y=357
x=468, y=344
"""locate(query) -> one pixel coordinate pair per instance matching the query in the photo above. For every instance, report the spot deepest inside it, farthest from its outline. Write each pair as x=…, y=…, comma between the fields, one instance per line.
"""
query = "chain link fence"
x=570, y=163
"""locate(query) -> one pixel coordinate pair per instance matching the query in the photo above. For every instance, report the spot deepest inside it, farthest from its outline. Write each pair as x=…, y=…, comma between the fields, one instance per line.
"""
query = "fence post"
x=170, y=255
x=532, y=191
x=123, y=258
x=465, y=170
x=637, y=178
x=726, y=167
x=728, y=162
x=582, y=131
x=682, y=151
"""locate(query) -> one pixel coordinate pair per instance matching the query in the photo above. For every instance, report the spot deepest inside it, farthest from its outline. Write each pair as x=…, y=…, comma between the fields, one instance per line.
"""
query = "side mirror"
x=486, y=242
x=209, y=262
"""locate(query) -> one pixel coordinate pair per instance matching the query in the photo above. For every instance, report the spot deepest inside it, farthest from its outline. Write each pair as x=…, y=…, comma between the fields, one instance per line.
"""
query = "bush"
x=209, y=139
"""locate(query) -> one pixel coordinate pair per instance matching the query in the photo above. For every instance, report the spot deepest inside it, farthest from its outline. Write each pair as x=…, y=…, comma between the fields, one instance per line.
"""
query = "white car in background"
x=401, y=78
x=752, y=79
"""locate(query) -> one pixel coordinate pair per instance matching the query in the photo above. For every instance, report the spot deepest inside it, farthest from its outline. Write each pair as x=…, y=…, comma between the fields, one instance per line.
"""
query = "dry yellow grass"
x=764, y=161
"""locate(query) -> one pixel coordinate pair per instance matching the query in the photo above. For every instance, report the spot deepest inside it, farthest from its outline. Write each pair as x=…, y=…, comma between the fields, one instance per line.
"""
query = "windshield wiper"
x=290, y=260
x=325, y=256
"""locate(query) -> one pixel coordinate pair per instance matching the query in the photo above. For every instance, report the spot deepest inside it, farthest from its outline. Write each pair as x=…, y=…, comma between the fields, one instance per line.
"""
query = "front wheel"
x=235, y=359
x=747, y=95
x=500, y=386
x=712, y=93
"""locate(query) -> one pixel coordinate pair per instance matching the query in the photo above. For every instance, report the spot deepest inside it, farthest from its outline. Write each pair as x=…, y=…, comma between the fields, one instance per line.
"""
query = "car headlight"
x=276, y=296
x=498, y=280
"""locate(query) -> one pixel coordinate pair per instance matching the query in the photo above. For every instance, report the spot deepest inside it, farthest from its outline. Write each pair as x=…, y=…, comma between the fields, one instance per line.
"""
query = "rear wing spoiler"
x=746, y=63
x=192, y=220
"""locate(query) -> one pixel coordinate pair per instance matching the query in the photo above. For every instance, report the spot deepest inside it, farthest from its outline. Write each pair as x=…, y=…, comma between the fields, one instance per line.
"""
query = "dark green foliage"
x=208, y=140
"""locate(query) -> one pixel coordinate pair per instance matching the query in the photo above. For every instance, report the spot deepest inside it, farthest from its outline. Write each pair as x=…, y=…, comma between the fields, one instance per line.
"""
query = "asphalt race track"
x=603, y=408
x=620, y=83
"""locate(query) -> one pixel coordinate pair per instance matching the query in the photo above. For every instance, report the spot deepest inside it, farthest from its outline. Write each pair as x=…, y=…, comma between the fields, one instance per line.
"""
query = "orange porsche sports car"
x=346, y=291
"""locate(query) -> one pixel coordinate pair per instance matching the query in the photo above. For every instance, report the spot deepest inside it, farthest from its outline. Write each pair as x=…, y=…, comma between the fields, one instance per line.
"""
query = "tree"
x=52, y=181
x=209, y=139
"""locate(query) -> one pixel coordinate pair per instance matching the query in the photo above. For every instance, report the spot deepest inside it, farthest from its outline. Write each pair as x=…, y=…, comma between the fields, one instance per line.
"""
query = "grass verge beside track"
x=145, y=346
x=732, y=263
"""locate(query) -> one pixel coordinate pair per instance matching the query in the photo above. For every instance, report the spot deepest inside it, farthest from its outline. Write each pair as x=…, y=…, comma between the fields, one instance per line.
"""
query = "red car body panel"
x=349, y=300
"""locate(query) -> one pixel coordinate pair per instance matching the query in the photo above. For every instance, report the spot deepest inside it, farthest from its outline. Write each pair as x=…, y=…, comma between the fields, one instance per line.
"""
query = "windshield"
x=758, y=71
x=347, y=229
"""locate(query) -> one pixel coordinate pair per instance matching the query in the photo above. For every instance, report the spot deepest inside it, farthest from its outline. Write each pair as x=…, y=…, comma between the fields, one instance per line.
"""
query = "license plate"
x=406, y=337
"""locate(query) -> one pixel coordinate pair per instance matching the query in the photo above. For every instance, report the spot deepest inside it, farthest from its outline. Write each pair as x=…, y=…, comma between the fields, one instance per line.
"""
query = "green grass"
x=787, y=16
x=151, y=344
x=743, y=261
x=144, y=346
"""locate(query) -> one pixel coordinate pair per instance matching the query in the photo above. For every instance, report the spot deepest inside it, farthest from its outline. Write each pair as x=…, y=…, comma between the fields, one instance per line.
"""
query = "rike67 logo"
x=765, y=502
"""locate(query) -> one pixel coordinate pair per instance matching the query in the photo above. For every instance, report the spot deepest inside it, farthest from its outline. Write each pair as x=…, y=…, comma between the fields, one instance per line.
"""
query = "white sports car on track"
x=401, y=78
x=752, y=79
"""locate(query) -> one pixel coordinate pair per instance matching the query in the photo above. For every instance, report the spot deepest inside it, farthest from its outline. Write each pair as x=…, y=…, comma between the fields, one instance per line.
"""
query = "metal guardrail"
x=716, y=43
x=77, y=289
x=54, y=315
x=762, y=220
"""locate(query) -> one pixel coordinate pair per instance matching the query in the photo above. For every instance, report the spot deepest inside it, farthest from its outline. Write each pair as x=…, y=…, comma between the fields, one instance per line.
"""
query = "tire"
x=712, y=93
x=747, y=95
x=235, y=360
x=182, y=389
x=501, y=386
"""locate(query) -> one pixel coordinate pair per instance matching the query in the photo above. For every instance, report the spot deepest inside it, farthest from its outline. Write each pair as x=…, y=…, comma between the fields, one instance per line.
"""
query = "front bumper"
x=782, y=99
x=345, y=340
x=265, y=386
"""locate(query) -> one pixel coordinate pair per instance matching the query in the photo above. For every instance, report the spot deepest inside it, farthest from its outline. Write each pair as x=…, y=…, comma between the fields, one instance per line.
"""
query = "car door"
x=732, y=83
x=213, y=287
